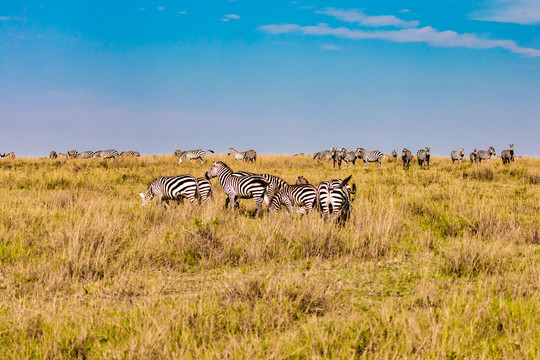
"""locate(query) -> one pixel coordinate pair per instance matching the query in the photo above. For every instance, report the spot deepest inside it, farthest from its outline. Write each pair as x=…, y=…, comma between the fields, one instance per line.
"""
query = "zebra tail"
x=212, y=151
x=198, y=196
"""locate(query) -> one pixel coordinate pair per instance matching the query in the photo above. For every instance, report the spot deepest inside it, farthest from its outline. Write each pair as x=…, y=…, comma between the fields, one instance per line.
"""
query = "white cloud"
x=425, y=34
x=330, y=47
x=10, y=18
x=355, y=16
x=405, y=11
x=525, y=12
x=182, y=12
x=231, y=16
x=161, y=8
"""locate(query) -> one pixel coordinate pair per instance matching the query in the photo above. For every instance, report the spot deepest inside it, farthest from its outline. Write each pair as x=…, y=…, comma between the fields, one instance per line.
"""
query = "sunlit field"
x=439, y=263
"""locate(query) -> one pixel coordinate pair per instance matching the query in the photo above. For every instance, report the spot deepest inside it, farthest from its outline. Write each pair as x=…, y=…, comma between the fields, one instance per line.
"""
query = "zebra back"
x=171, y=188
x=205, y=189
x=303, y=197
x=486, y=154
x=86, y=154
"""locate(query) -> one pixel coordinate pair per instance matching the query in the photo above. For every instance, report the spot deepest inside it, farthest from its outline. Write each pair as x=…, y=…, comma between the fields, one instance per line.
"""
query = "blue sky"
x=276, y=76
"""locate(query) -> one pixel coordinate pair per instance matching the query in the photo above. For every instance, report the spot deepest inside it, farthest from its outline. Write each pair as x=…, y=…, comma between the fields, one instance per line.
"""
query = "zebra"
x=72, y=154
x=486, y=154
x=193, y=154
x=406, y=157
x=349, y=157
x=274, y=182
x=61, y=156
x=249, y=155
x=324, y=155
x=53, y=155
x=507, y=156
x=303, y=197
x=171, y=188
x=106, y=154
x=393, y=154
x=239, y=187
x=423, y=157
x=11, y=155
x=301, y=180
x=473, y=156
x=205, y=189
x=370, y=156
x=130, y=153
x=334, y=198
x=457, y=155
x=86, y=154
x=337, y=156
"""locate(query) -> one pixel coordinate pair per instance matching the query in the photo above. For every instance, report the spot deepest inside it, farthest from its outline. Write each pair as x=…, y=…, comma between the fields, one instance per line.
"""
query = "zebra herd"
x=333, y=198
x=338, y=156
x=104, y=154
x=247, y=156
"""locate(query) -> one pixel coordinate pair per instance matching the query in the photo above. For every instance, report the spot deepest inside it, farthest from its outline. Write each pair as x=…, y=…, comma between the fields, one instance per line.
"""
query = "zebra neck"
x=224, y=175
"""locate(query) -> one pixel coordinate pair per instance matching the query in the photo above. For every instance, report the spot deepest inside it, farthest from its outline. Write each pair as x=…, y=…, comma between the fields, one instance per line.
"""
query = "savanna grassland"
x=439, y=263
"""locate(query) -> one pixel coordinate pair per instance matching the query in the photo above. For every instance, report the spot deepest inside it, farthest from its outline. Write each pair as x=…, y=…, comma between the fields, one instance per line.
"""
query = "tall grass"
x=432, y=263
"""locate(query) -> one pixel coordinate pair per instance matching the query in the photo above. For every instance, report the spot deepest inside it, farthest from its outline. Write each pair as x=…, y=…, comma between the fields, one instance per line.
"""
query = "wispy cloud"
x=525, y=12
x=161, y=8
x=230, y=17
x=182, y=12
x=330, y=47
x=425, y=34
x=10, y=18
x=358, y=17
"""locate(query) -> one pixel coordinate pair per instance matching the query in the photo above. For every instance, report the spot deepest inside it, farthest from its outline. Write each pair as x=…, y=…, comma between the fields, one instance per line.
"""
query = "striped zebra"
x=53, y=155
x=130, y=153
x=247, y=156
x=507, y=156
x=334, y=198
x=406, y=157
x=350, y=156
x=72, y=154
x=393, y=154
x=239, y=187
x=106, y=154
x=301, y=180
x=423, y=157
x=337, y=157
x=166, y=188
x=302, y=197
x=274, y=182
x=205, y=189
x=324, y=155
x=457, y=155
x=86, y=154
x=370, y=156
x=473, y=156
x=486, y=154
x=193, y=154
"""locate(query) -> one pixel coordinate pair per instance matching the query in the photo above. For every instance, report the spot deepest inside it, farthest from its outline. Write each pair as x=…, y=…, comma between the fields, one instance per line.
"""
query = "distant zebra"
x=239, y=187
x=423, y=157
x=406, y=157
x=486, y=154
x=324, y=155
x=349, y=157
x=86, y=154
x=171, y=188
x=53, y=155
x=301, y=180
x=11, y=155
x=205, y=189
x=337, y=157
x=72, y=154
x=130, y=153
x=303, y=197
x=193, y=154
x=393, y=154
x=106, y=154
x=370, y=156
x=61, y=156
x=334, y=198
x=457, y=155
x=247, y=156
x=274, y=182
x=473, y=156
x=507, y=156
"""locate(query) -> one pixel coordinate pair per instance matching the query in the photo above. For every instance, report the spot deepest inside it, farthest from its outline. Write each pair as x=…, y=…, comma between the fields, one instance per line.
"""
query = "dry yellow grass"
x=438, y=263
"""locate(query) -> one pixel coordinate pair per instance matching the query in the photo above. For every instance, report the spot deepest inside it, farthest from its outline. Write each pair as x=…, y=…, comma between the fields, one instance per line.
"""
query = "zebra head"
x=359, y=152
x=492, y=151
x=147, y=197
x=427, y=151
x=394, y=153
x=216, y=169
x=274, y=202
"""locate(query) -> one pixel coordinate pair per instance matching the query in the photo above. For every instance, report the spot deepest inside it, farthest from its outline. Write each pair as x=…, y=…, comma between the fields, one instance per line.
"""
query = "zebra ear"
x=344, y=182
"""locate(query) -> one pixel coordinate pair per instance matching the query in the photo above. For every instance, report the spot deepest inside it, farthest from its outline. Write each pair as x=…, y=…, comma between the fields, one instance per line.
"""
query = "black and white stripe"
x=334, y=198
x=473, y=156
x=485, y=154
x=72, y=154
x=423, y=156
x=205, y=189
x=406, y=157
x=247, y=156
x=302, y=197
x=456, y=155
x=85, y=154
x=166, y=188
x=324, y=155
x=53, y=155
x=507, y=156
x=193, y=154
x=370, y=156
x=239, y=187
x=106, y=154
x=274, y=182
x=349, y=157
x=130, y=153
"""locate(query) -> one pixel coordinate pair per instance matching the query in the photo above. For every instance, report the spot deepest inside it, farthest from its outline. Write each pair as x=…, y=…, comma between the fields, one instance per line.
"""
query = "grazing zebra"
x=507, y=156
x=485, y=154
x=171, y=188
x=303, y=197
x=301, y=180
x=130, y=153
x=406, y=157
x=106, y=154
x=72, y=154
x=324, y=155
x=205, y=189
x=423, y=157
x=239, y=187
x=349, y=157
x=457, y=155
x=393, y=154
x=86, y=154
x=334, y=198
x=249, y=155
x=193, y=154
x=370, y=156
x=274, y=182
x=473, y=156
x=53, y=155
